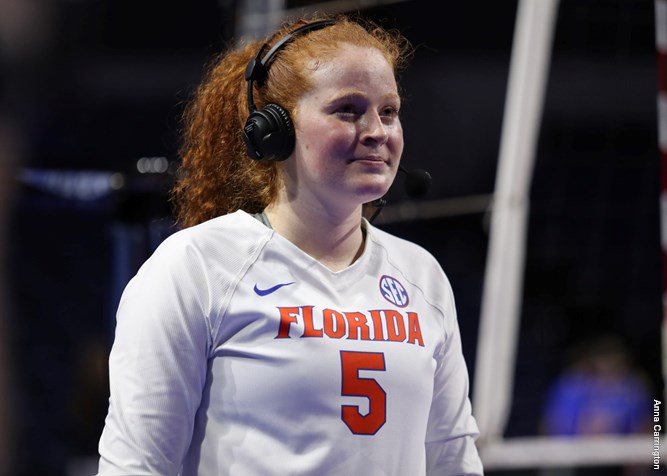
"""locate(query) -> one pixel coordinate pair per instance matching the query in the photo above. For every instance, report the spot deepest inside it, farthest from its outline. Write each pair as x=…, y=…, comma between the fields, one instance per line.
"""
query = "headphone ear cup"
x=269, y=133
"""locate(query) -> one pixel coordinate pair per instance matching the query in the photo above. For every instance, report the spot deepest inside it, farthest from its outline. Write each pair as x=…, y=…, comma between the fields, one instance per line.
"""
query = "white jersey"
x=236, y=353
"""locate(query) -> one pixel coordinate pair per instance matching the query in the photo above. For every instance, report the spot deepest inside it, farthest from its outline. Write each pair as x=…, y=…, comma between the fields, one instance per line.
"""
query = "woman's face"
x=349, y=138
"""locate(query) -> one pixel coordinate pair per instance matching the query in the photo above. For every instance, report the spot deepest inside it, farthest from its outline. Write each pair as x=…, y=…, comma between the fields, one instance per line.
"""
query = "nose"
x=374, y=131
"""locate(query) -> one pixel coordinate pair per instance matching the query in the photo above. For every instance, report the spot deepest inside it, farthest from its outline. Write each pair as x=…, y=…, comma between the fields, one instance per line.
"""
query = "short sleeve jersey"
x=236, y=353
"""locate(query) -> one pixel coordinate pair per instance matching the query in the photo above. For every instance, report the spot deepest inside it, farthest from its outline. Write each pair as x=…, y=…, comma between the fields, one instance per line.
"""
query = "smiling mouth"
x=371, y=160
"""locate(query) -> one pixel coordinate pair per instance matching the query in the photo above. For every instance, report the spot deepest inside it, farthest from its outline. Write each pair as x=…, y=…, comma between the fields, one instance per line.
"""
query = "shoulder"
x=235, y=233
x=418, y=267
x=223, y=245
x=200, y=265
x=411, y=258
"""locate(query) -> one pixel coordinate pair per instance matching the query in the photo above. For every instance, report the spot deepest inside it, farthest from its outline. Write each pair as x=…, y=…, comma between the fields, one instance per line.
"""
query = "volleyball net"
x=500, y=314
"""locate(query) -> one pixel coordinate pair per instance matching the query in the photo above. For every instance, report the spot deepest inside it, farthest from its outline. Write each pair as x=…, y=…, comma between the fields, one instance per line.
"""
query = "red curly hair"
x=216, y=175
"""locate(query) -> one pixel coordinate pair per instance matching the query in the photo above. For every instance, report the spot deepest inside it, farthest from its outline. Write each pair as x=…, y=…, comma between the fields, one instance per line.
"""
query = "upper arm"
x=157, y=368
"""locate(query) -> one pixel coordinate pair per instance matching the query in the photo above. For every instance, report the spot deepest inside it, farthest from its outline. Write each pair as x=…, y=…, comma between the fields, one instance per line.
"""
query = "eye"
x=347, y=110
x=390, y=112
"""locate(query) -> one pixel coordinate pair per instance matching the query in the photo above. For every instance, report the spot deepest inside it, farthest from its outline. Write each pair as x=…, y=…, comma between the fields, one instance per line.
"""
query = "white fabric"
x=210, y=378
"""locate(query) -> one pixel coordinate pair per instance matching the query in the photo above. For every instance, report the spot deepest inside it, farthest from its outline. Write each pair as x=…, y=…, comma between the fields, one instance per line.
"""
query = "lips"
x=374, y=159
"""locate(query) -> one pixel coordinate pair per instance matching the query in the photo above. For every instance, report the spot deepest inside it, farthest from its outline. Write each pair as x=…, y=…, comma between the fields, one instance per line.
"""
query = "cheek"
x=326, y=141
x=396, y=139
x=397, y=147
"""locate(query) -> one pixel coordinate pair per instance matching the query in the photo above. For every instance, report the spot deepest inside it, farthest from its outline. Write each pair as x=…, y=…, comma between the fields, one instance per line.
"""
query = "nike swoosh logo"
x=272, y=289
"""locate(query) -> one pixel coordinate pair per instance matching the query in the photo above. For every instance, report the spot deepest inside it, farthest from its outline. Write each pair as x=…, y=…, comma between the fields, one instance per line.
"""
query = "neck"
x=333, y=238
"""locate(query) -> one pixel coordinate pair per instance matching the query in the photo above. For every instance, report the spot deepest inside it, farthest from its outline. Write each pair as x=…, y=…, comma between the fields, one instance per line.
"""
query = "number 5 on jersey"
x=355, y=386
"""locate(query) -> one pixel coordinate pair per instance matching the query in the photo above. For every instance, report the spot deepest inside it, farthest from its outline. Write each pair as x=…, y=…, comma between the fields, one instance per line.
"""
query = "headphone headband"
x=257, y=69
x=269, y=132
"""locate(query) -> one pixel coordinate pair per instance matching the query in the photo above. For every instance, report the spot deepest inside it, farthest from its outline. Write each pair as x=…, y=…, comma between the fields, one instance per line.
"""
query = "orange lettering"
x=309, y=329
x=395, y=325
x=415, y=332
x=288, y=315
x=337, y=330
x=352, y=324
x=377, y=325
x=356, y=323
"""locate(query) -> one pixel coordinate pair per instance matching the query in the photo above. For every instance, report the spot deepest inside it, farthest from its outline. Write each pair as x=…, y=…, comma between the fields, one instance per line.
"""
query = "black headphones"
x=268, y=132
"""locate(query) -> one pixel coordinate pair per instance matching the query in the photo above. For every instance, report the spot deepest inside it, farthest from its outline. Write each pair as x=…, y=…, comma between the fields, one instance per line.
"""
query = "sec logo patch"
x=393, y=291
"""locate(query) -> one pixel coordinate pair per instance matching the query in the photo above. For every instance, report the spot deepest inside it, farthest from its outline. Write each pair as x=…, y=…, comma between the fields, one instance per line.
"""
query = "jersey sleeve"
x=157, y=365
x=452, y=430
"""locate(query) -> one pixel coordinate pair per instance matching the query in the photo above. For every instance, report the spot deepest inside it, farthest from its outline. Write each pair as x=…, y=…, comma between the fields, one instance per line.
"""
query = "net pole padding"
x=500, y=313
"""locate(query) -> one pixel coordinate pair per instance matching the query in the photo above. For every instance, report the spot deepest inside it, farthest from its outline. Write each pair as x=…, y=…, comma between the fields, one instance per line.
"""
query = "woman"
x=279, y=332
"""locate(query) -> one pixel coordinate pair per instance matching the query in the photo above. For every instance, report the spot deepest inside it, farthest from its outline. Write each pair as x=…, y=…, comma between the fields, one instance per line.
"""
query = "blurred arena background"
x=91, y=92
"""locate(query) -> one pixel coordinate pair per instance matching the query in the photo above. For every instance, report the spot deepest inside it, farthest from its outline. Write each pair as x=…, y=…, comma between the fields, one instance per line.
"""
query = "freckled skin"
x=349, y=136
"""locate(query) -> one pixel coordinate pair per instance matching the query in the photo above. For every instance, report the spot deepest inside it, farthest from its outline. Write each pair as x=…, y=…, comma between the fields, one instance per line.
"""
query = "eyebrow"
x=353, y=93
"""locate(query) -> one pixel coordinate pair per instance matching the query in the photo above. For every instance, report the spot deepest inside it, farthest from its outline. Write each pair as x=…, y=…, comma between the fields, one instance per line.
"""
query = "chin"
x=373, y=193
x=368, y=188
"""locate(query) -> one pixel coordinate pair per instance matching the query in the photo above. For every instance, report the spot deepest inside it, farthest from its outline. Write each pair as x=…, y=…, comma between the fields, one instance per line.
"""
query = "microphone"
x=417, y=181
